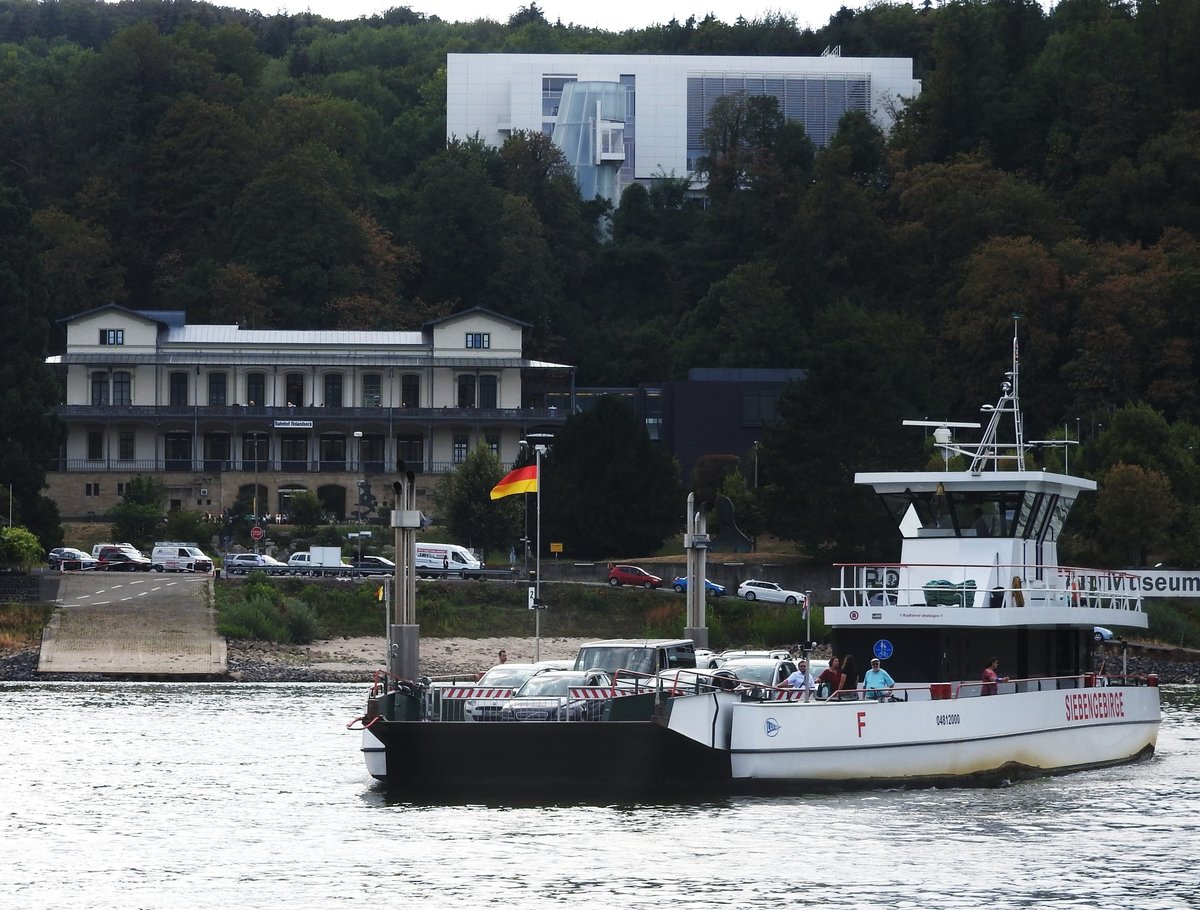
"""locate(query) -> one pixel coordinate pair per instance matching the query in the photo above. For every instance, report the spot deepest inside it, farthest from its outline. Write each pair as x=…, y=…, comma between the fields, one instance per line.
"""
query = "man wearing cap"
x=876, y=680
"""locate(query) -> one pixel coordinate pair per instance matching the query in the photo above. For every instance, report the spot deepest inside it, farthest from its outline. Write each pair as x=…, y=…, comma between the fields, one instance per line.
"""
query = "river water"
x=255, y=796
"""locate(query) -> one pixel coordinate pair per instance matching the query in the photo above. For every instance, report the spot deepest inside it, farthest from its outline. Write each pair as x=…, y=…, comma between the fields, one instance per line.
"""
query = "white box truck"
x=438, y=560
x=317, y=559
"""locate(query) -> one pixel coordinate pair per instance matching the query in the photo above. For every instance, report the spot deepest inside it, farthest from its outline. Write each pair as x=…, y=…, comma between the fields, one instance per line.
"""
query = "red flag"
x=518, y=480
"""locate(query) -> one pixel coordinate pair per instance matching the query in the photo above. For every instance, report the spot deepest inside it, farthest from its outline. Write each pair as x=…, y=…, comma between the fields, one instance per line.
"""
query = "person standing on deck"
x=876, y=680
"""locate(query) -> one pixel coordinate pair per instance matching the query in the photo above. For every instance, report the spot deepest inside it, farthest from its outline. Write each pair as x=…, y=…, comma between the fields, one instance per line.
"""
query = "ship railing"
x=984, y=585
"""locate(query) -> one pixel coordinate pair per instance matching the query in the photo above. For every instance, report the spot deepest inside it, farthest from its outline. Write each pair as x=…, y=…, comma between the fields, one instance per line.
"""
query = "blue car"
x=711, y=587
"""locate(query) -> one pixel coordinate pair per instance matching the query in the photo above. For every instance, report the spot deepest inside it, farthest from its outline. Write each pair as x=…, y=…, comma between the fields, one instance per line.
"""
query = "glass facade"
x=590, y=129
x=818, y=100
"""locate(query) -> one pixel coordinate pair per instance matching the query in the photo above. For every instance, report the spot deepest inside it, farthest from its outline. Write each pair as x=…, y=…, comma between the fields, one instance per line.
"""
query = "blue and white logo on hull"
x=772, y=726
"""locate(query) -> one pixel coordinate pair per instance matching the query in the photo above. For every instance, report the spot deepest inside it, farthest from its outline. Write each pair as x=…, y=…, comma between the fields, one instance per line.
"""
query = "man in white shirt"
x=801, y=679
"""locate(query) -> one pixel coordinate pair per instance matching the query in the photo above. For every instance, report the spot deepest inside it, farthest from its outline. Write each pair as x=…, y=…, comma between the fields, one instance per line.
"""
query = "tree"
x=29, y=431
x=139, y=518
x=607, y=489
x=1135, y=510
x=306, y=512
x=465, y=506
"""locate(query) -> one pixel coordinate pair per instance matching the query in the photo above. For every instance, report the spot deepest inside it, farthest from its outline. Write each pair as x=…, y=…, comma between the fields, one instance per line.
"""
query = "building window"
x=372, y=390
x=493, y=443
x=332, y=452
x=411, y=451
x=479, y=340
x=254, y=452
x=256, y=388
x=91, y=489
x=333, y=390
x=487, y=391
x=293, y=451
x=122, y=388
x=758, y=408
x=217, y=390
x=99, y=389
x=177, y=389
x=466, y=391
x=112, y=336
x=410, y=391
x=125, y=444
x=121, y=488
x=460, y=448
x=216, y=451
x=95, y=445
x=177, y=450
x=294, y=384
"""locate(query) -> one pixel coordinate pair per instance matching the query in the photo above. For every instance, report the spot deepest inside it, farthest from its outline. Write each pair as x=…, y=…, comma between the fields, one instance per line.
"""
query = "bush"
x=303, y=625
x=255, y=617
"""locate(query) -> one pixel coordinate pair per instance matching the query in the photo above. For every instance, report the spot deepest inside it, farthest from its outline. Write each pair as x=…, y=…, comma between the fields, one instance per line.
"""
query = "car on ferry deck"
x=763, y=671
x=547, y=696
x=508, y=675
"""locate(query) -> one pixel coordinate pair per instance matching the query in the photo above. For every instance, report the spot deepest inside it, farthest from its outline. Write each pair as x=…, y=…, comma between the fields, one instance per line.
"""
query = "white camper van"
x=171, y=556
x=435, y=560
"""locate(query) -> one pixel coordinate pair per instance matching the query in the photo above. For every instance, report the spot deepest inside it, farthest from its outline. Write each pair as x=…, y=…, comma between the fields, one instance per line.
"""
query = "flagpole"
x=537, y=561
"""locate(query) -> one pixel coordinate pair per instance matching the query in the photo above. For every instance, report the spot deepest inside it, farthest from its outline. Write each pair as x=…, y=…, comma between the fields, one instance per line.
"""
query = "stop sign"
x=256, y=533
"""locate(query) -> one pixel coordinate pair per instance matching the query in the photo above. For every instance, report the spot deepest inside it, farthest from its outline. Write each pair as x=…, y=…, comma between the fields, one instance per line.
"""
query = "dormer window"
x=479, y=340
x=112, y=336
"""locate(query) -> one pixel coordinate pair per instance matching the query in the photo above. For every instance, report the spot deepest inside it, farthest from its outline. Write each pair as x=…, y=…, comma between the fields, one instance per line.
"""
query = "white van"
x=179, y=557
x=435, y=560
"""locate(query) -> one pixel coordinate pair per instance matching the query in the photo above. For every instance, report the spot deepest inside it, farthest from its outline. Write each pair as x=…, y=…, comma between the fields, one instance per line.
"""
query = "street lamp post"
x=257, y=518
x=362, y=490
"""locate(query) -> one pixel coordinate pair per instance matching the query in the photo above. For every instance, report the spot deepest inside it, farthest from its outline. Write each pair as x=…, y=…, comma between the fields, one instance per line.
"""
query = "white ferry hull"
x=1003, y=736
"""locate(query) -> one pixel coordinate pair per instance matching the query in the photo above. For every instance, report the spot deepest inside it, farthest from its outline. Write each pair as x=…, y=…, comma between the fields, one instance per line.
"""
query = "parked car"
x=119, y=559
x=754, y=589
x=505, y=676
x=374, y=565
x=180, y=557
x=632, y=575
x=1099, y=633
x=694, y=681
x=764, y=671
x=710, y=587
x=73, y=559
x=241, y=563
x=547, y=696
x=100, y=546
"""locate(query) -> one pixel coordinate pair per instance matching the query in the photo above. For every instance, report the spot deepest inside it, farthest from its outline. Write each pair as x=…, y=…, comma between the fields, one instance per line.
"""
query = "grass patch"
x=289, y=609
x=21, y=625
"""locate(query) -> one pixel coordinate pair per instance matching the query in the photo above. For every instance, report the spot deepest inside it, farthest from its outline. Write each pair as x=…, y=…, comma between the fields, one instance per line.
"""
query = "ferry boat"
x=978, y=579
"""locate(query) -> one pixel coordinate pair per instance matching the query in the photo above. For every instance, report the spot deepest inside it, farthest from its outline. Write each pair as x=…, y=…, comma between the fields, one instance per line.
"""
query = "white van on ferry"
x=438, y=560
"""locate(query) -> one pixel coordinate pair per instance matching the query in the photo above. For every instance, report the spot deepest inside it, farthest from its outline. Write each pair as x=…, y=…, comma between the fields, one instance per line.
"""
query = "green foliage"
x=255, y=618
x=1174, y=622
x=19, y=548
x=606, y=489
x=306, y=512
x=138, y=517
x=21, y=624
x=466, y=509
x=184, y=525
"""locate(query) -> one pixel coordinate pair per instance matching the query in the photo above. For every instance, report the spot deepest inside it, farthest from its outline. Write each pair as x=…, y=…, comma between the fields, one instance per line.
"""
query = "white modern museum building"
x=625, y=118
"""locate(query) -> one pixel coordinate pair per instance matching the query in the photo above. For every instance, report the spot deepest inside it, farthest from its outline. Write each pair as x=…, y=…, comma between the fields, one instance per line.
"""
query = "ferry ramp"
x=134, y=624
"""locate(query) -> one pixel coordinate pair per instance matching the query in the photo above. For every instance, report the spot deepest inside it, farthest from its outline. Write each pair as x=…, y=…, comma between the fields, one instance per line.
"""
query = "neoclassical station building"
x=218, y=411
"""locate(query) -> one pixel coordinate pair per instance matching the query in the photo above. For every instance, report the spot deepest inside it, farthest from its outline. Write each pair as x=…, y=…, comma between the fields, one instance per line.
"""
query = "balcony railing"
x=259, y=414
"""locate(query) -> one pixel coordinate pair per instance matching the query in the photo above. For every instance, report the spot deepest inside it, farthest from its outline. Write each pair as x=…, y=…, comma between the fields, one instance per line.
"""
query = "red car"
x=632, y=575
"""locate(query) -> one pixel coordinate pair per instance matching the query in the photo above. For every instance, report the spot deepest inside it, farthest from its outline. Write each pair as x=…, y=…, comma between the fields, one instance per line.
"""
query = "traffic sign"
x=883, y=649
x=257, y=533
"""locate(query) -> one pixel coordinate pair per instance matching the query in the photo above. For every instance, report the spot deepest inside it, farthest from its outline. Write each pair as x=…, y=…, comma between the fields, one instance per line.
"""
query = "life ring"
x=1018, y=597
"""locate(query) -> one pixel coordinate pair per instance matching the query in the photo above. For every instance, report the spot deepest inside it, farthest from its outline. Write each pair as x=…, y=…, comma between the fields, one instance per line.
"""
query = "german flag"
x=519, y=480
